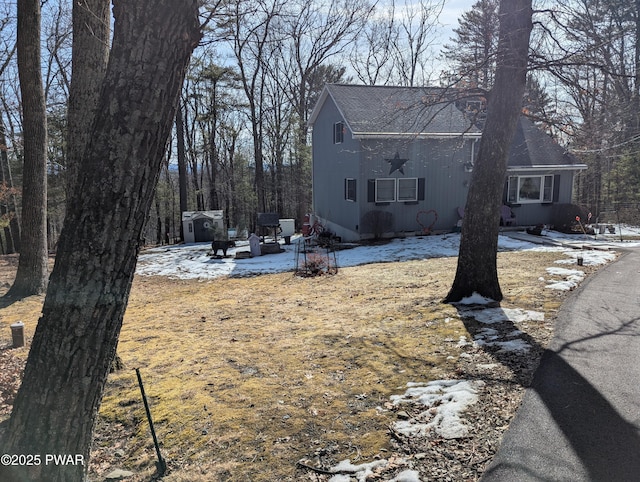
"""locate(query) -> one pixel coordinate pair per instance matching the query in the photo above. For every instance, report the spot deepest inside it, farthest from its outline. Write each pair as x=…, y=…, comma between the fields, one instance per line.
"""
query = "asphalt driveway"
x=580, y=419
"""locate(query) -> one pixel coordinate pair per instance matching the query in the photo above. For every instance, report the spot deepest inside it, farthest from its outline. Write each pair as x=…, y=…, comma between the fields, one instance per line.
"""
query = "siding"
x=332, y=164
x=441, y=162
x=537, y=213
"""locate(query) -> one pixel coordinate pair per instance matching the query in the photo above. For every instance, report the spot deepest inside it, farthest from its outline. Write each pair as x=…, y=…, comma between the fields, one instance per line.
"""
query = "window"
x=338, y=133
x=408, y=189
x=350, y=189
x=530, y=189
x=385, y=190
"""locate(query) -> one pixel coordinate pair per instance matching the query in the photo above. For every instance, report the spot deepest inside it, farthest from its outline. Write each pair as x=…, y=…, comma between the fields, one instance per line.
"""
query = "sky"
x=451, y=12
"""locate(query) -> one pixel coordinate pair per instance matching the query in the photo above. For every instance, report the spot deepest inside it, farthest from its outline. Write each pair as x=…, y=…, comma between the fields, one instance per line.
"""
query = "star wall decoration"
x=397, y=164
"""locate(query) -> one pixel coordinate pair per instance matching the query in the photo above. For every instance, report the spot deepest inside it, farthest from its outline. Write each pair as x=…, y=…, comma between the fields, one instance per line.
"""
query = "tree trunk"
x=31, y=277
x=477, y=270
x=182, y=166
x=76, y=337
x=636, y=79
x=14, y=223
x=89, y=54
x=5, y=209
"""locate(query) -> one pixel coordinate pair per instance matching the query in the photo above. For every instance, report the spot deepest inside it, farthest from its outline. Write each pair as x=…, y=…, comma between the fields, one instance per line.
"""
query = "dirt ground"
x=278, y=377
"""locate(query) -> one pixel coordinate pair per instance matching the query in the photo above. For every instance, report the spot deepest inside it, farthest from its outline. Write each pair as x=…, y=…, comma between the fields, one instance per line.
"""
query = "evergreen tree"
x=472, y=53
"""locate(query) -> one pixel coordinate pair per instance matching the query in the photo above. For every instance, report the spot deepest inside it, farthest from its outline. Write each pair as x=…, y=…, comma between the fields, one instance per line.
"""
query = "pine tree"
x=472, y=54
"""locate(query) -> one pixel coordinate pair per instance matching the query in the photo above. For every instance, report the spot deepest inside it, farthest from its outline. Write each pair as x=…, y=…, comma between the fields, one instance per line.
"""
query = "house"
x=393, y=160
x=202, y=226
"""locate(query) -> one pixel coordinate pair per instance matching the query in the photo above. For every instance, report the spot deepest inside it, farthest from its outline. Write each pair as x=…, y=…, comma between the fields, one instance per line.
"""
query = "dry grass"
x=247, y=376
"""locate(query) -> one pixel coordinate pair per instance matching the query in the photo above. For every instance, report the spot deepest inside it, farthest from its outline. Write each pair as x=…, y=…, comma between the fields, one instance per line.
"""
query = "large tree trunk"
x=477, y=270
x=31, y=277
x=76, y=337
x=89, y=53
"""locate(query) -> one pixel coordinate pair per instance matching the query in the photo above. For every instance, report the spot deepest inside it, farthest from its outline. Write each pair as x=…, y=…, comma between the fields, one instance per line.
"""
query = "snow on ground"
x=589, y=257
x=490, y=316
x=192, y=261
x=490, y=337
x=360, y=471
x=621, y=230
x=570, y=278
x=442, y=402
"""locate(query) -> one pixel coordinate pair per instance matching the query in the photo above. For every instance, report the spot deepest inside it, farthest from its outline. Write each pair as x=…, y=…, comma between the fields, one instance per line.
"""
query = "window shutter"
x=556, y=188
x=421, y=189
x=371, y=190
x=512, y=189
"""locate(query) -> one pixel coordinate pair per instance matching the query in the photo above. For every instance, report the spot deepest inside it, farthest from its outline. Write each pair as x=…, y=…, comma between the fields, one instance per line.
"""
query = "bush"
x=563, y=217
x=377, y=223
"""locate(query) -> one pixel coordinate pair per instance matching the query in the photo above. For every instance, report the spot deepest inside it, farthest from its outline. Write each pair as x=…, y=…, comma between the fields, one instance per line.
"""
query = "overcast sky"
x=451, y=12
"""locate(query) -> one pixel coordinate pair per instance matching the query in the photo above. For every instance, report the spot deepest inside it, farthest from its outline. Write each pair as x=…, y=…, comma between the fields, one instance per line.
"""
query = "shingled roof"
x=533, y=148
x=383, y=111
x=392, y=111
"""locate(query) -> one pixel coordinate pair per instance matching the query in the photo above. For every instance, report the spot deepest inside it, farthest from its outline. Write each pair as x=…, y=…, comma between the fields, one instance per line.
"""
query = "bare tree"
x=371, y=56
x=31, y=277
x=594, y=47
x=76, y=337
x=416, y=34
x=314, y=32
x=477, y=270
x=250, y=33
x=182, y=165
x=9, y=206
x=394, y=47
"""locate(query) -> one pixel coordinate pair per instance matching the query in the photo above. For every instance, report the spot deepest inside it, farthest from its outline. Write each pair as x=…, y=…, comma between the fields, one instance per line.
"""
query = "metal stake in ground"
x=161, y=464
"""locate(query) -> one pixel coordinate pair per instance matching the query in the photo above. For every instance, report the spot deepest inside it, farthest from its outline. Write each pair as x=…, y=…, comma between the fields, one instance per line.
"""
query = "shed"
x=203, y=226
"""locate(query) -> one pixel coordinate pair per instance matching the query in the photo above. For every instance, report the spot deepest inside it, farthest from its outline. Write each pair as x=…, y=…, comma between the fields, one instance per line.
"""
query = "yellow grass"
x=247, y=376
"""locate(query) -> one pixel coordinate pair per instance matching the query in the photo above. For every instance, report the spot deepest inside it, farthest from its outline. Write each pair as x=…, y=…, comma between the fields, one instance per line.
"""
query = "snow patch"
x=361, y=471
x=490, y=316
x=589, y=257
x=475, y=299
x=444, y=402
x=572, y=278
x=407, y=476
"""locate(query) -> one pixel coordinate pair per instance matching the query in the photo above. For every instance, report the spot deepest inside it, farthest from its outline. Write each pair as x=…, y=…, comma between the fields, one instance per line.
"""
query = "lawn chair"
x=507, y=216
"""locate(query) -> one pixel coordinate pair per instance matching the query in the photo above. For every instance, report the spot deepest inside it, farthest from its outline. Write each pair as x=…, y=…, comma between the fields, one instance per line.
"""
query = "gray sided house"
x=394, y=160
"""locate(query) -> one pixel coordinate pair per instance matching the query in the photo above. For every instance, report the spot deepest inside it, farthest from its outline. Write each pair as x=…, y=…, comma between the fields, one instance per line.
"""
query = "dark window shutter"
x=421, y=189
x=371, y=190
x=556, y=188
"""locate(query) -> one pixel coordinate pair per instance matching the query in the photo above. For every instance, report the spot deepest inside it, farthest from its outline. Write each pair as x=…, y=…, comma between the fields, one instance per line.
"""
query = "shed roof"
x=193, y=215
